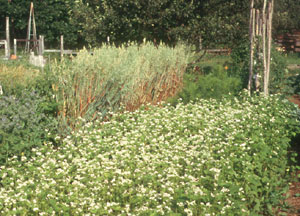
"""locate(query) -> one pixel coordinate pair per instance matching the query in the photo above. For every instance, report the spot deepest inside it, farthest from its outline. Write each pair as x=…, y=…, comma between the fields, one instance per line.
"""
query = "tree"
x=286, y=16
x=215, y=21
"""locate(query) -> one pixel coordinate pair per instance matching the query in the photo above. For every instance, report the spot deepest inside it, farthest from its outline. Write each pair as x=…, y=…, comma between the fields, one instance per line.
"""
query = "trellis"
x=260, y=33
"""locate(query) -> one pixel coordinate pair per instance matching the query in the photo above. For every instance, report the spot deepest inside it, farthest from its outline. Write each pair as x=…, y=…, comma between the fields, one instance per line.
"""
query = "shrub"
x=215, y=84
x=23, y=124
x=212, y=157
x=131, y=75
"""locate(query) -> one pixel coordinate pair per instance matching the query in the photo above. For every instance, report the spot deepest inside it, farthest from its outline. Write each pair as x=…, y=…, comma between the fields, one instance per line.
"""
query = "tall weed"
x=131, y=75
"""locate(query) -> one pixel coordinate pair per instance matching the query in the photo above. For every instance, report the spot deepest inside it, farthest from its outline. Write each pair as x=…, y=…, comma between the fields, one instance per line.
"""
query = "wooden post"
x=15, y=47
x=40, y=45
x=269, y=35
x=43, y=44
x=251, y=27
x=264, y=47
x=257, y=23
x=34, y=30
x=27, y=46
x=7, y=38
x=61, y=46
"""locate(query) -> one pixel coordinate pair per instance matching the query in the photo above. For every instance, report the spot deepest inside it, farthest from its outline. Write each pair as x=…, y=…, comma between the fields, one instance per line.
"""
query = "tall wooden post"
x=40, y=46
x=7, y=38
x=269, y=36
x=264, y=46
x=251, y=36
x=61, y=46
x=15, y=47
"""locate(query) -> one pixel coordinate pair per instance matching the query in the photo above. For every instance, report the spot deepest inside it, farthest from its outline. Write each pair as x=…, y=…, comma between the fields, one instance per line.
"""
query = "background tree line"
x=216, y=23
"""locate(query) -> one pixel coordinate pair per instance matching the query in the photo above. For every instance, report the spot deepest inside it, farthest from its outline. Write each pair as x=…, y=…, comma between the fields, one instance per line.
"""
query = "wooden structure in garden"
x=289, y=42
x=31, y=25
x=260, y=36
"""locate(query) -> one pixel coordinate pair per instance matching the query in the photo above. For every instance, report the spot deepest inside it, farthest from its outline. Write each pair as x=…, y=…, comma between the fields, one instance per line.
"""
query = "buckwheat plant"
x=204, y=158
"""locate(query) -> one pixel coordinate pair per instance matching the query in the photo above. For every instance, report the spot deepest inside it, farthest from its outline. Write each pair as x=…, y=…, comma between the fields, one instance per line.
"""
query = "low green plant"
x=215, y=84
x=24, y=124
x=227, y=157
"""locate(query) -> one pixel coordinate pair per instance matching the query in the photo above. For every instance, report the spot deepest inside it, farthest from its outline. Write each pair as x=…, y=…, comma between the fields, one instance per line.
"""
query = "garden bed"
x=203, y=158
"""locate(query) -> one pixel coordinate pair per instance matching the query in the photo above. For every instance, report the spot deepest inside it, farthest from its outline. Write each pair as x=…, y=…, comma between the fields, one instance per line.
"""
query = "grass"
x=292, y=58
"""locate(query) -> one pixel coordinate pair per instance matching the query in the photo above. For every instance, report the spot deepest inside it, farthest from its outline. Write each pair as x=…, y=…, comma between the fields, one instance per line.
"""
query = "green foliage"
x=162, y=20
x=292, y=85
x=212, y=157
x=286, y=16
x=278, y=72
x=216, y=84
x=19, y=76
x=130, y=75
x=23, y=124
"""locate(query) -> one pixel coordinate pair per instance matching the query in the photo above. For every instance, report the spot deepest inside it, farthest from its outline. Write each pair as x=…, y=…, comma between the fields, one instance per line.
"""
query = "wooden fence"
x=289, y=42
x=39, y=47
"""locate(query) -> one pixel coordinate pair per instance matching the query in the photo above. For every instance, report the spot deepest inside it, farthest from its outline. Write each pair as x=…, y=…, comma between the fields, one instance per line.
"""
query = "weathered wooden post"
x=269, y=37
x=251, y=38
x=40, y=46
x=61, y=46
x=15, y=47
x=43, y=45
x=7, y=38
x=264, y=17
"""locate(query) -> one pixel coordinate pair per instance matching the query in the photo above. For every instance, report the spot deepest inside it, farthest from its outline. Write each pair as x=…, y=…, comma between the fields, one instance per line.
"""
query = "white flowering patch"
x=206, y=158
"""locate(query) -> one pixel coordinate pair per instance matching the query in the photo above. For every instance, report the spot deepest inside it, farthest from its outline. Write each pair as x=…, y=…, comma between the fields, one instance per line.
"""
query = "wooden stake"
x=264, y=47
x=269, y=35
x=251, y=46
x=15, y=47
x=27, y=45
x=34, y=30
x=7, y=38
x=257, y=23
x=40, y=45
x=43, y=44
x=61, y=46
